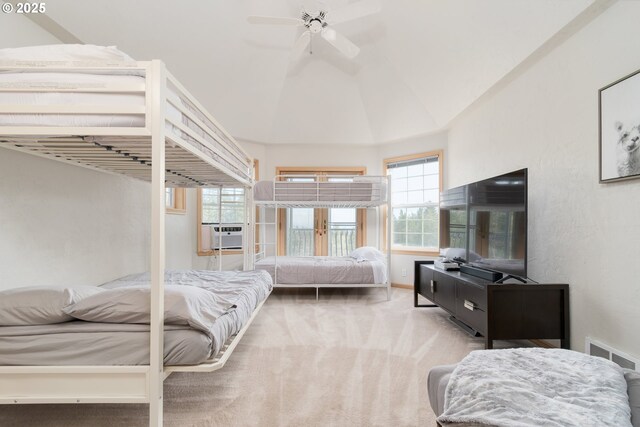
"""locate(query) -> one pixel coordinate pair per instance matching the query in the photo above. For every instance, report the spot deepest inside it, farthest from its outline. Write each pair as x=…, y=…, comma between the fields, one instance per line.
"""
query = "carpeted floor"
x=350, y=359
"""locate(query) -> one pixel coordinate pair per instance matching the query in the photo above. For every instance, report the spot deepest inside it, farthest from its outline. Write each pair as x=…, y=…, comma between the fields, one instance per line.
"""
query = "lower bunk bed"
x=365, y=267
x=104, y=332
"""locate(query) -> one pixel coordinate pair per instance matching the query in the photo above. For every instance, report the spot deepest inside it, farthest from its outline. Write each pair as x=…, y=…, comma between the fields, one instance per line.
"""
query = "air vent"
x=596, y=348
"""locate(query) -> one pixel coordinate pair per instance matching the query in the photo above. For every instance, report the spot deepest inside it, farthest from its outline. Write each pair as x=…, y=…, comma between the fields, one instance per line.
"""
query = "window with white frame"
x=221, y=219
x=230, y=204
x=415, y=196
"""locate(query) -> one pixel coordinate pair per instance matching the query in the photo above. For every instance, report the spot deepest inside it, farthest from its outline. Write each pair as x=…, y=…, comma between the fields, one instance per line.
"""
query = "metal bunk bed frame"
x=150, y=153
x=319, y=203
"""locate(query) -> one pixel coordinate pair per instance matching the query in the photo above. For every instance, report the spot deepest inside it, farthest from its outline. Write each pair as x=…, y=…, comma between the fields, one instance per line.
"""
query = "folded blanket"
x=536, y=387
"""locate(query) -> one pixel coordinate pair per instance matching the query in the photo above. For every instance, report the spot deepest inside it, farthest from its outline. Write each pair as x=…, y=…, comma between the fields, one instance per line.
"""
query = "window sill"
x=174, y=211
x=422, y=252
x=229, y=252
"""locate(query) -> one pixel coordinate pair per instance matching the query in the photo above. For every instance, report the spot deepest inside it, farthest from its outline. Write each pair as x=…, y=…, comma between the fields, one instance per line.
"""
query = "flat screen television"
x=485, y=223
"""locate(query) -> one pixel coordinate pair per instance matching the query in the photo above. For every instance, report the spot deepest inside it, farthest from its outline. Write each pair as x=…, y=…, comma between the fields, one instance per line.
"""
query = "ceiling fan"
x=320, y=22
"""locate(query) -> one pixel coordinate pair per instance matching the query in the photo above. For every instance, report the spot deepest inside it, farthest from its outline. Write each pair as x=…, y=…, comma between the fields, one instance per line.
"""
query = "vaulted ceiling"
x=422, y=62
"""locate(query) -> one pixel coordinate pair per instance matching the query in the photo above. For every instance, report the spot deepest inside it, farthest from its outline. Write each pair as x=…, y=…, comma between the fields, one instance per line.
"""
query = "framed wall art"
x=619, y=106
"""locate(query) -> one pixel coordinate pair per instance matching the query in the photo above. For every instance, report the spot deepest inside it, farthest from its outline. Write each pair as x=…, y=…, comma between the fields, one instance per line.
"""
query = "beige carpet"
x=350, y=359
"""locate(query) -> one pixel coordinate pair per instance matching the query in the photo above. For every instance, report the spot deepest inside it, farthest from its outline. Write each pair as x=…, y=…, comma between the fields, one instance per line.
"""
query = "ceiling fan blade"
x=301, y=44
x=274, y=20
x=340, y=42
x=353, y=11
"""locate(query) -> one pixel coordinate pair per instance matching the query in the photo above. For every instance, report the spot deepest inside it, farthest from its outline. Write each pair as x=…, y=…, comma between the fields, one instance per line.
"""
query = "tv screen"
x=495, y=227
x=453, y=222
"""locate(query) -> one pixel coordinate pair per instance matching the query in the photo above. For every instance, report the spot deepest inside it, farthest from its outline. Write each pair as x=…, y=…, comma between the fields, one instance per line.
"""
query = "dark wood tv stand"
x=496, y=311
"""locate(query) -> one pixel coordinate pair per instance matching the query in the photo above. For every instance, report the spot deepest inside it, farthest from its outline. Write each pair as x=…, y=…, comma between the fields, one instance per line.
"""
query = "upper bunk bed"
x=97, y=108
x=101, y=113
x=322, y=191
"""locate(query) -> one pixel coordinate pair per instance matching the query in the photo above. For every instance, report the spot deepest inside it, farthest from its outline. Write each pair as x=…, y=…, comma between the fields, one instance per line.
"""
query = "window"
x=230, y=204
x=175, y=200
x=212, y=203
x=415, y=194
x=227, y=202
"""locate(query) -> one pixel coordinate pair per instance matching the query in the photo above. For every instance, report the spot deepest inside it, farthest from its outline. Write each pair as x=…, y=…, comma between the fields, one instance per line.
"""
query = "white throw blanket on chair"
x=536, y=387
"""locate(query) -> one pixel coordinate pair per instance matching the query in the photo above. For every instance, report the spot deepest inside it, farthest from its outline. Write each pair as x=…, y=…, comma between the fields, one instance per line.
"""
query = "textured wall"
x=580, y=232
x=65, y=225
x=18, y=31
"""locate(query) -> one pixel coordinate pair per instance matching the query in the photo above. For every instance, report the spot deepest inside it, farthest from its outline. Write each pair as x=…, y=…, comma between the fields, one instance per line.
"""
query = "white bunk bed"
x=149, y=128
x=320, y=191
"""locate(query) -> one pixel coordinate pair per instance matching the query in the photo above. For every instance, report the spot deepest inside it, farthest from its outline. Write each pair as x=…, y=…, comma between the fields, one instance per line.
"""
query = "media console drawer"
x=497, y=311
x=475, y=293
x=471, y=306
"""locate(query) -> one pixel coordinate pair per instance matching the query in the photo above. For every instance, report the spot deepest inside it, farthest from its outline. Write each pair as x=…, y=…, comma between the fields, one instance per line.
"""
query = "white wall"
x=319, y=155
x=63, y=225
x=18, y=31
x=180, y=235
x=580, y=232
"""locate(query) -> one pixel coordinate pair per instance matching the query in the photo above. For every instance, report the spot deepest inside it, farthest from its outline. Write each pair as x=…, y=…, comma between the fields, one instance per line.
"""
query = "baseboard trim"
x=401, y=285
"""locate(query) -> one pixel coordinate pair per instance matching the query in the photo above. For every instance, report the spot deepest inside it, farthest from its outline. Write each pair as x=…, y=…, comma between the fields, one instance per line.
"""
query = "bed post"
x=389, y=222
x=219, y=227
x=276, y=245
x=250, y=211
x=156, y=96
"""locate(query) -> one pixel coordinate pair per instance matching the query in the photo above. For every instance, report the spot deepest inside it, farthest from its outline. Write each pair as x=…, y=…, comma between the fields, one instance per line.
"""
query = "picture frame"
x=619, y=129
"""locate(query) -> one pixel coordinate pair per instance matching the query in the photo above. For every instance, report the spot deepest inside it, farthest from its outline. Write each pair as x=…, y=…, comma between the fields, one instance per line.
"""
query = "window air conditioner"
x=230, y=237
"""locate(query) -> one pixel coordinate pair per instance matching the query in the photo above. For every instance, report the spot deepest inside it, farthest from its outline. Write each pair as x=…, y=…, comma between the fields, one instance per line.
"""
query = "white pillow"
x=40, y=305
x=65, y=52
x=367, y=253
x=183, y=305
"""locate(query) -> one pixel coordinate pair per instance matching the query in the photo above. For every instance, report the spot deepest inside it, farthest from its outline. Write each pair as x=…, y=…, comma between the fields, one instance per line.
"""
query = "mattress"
x=73, y=80
x=90, y=343
x=359, y=190
x=323, y=270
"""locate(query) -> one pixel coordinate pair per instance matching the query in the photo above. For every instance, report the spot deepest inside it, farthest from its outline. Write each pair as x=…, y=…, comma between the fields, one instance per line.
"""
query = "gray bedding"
x=439, y=377
x=92, y=343
x=323, y=270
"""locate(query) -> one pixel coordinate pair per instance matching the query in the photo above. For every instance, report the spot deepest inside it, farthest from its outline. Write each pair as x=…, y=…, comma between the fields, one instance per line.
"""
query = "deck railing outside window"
x=300, y=242
x=342, y=240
